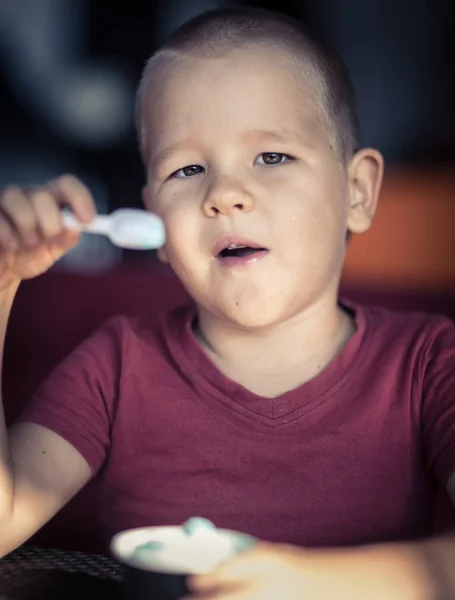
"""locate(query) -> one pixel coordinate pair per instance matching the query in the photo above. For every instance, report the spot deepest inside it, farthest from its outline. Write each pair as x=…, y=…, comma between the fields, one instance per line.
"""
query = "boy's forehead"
x=236, y=94
x=248, y=84
x=268, y=64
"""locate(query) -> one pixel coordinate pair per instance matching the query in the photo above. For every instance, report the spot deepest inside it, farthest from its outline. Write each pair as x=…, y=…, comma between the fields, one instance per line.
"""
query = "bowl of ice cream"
x=158, y=560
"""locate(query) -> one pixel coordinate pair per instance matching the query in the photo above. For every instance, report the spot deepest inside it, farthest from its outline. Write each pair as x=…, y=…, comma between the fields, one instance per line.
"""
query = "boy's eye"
x=272, y=158
x=189, y=171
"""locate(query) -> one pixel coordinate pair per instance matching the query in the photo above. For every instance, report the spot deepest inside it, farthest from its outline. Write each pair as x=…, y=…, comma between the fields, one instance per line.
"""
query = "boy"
x=268, y=407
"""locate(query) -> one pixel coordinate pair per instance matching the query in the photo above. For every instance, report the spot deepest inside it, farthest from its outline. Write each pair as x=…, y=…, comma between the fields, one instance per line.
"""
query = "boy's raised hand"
x=32, y=236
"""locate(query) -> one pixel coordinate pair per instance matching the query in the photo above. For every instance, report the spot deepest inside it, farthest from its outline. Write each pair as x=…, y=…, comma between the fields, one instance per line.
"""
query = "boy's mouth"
x=238, y=251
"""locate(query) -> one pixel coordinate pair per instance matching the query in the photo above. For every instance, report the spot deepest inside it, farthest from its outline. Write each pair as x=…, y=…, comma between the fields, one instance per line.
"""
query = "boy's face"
x=238, y=154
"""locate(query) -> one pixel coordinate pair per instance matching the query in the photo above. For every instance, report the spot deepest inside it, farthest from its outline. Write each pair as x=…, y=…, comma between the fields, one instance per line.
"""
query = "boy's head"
x=249, y=135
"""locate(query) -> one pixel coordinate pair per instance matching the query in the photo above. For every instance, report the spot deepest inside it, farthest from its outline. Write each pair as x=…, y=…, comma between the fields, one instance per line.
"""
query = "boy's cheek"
x=146, y=197
x=152, y=198
x=162, y=255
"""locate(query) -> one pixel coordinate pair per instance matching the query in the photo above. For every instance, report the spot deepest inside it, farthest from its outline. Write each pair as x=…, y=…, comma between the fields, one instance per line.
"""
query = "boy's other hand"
x=32, y=236
x=270, y=571
x=266, y=572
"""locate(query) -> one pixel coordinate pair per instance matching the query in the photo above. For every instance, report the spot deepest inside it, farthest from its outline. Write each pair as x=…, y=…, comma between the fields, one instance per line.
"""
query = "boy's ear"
x=161, y=252
x=365, y=173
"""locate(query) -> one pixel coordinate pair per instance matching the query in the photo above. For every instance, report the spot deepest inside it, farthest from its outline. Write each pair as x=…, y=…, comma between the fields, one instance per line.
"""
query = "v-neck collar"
x=207, y=379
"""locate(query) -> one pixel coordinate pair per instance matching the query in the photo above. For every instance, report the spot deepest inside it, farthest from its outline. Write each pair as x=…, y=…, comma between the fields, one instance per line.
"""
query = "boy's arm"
x=39, y=470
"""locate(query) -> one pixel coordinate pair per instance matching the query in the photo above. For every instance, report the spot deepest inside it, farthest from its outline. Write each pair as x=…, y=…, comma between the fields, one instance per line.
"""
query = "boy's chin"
x=253, y=317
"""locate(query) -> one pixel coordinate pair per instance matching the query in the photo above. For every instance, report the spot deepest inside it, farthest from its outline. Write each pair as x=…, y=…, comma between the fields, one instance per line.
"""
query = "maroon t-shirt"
x=352, y=456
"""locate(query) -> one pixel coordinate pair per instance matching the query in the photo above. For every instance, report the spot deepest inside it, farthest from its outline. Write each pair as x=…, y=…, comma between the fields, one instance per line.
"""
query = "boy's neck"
x=272, y=361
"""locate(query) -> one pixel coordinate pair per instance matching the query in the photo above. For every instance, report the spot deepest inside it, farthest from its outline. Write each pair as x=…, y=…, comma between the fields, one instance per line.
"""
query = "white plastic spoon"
x=130, y=228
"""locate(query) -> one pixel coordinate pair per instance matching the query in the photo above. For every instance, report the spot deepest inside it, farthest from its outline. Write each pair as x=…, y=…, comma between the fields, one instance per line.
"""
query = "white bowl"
x=180, y=554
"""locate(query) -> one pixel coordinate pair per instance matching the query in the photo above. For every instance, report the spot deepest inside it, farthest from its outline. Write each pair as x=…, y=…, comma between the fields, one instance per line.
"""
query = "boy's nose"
x=227, y=197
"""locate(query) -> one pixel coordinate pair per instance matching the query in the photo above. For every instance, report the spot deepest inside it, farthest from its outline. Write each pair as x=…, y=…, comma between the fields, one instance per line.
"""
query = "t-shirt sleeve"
x=438, y=409
x=78, y=400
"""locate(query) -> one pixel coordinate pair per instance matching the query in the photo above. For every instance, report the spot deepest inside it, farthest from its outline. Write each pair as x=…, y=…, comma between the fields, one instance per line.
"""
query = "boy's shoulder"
x=406, y=317
x=379, y=315
x=399, y=328
x=151, y=330
x=125, y=347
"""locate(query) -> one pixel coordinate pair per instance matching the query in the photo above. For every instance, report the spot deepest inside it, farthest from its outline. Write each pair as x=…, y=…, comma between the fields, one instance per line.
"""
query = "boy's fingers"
x=17, y=208
x=66, y=240
x=73, y=193
x=33, y=214
x=8, y=240
x=47, y=213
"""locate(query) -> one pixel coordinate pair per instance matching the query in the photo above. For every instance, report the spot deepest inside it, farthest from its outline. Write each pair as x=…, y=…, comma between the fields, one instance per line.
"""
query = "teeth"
x=234, y=247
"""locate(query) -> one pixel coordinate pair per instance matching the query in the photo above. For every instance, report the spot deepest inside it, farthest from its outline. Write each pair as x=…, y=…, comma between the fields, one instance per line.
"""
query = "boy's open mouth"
x=237, y=251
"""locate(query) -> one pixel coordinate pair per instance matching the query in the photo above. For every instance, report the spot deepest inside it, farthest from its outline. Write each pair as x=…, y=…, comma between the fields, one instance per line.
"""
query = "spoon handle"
x=100, y=224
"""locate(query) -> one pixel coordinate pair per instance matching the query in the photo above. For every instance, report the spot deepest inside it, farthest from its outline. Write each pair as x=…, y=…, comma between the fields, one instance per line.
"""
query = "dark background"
x=69, y=70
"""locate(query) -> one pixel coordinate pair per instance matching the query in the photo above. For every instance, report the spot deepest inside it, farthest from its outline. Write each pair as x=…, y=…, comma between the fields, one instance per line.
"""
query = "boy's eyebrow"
x=282, y=135
x=156, y=158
